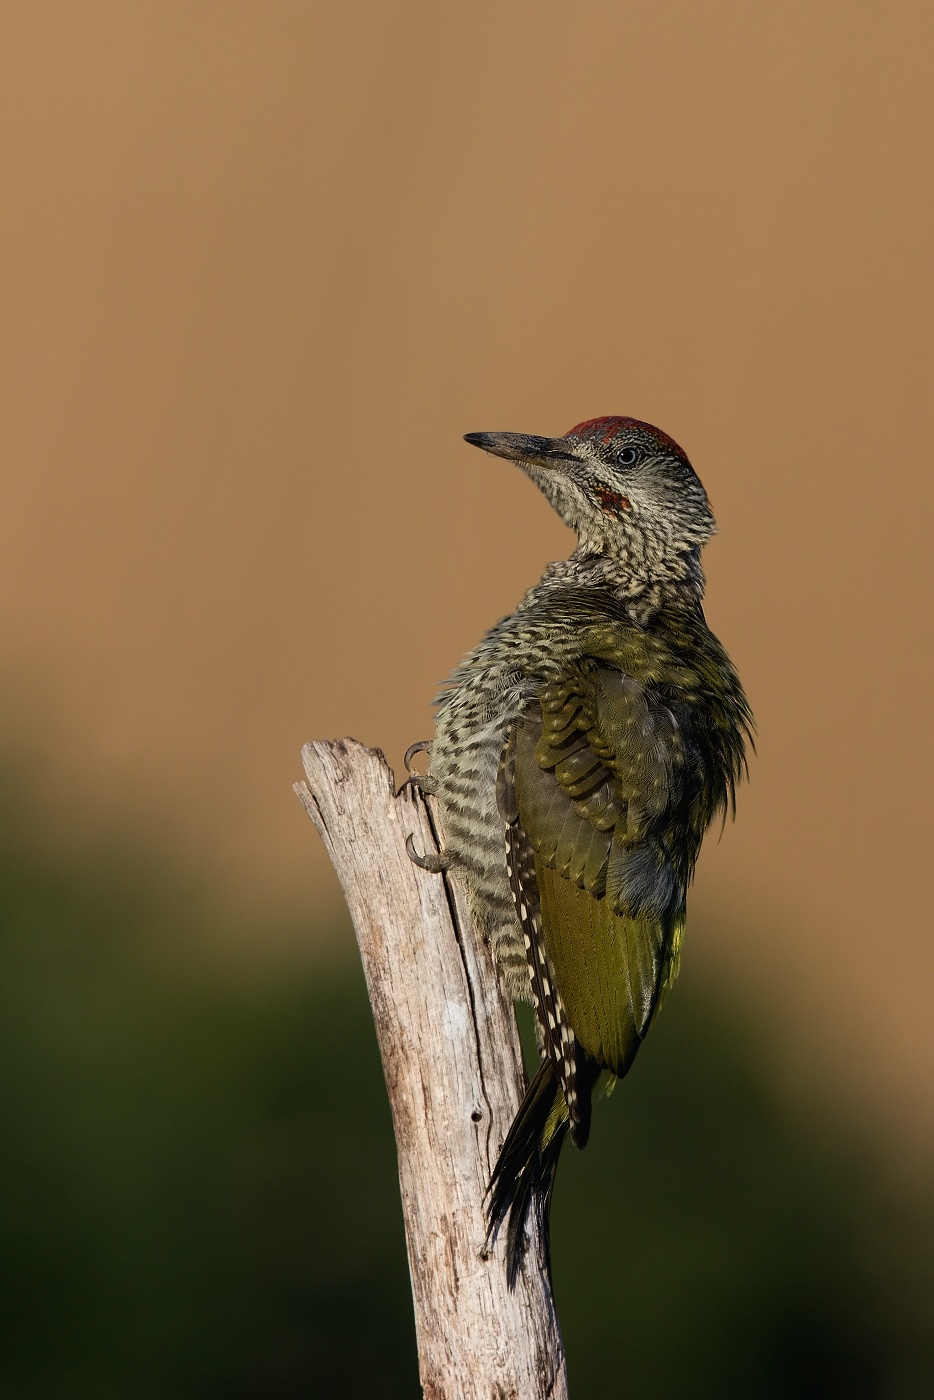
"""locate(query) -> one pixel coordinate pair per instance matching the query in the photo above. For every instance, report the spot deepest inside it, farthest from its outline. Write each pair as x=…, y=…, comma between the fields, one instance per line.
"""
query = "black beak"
x=523, y=447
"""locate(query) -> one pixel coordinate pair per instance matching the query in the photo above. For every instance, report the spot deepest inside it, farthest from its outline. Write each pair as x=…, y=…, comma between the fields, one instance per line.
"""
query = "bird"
x=580, y=753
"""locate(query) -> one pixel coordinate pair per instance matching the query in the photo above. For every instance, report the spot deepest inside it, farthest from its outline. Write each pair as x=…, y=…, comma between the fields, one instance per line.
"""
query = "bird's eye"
x=628, y=457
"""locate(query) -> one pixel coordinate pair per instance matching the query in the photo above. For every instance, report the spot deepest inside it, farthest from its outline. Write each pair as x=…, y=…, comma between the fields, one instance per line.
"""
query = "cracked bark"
x=454, y=1076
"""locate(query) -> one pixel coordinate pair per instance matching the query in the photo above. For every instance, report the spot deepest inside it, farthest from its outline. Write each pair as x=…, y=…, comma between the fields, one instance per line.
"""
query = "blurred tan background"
x=264, y=263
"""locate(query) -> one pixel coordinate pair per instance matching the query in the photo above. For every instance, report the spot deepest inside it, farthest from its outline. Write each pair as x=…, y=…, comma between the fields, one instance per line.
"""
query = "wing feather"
x=593, y=773
x=557, y=1036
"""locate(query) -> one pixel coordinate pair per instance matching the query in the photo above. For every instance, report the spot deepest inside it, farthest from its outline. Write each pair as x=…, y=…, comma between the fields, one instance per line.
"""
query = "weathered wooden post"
x=454, y=1075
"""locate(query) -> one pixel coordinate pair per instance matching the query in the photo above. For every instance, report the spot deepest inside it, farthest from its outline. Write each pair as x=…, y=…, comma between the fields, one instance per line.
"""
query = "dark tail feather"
x=524, y=1175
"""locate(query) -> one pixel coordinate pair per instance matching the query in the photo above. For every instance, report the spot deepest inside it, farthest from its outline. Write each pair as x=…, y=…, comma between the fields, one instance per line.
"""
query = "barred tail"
x=524, y=1175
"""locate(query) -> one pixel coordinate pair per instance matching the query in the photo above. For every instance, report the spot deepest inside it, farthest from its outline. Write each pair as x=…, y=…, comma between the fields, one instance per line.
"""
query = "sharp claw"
x=433, y=862
x=422, y=746
x=412, y=854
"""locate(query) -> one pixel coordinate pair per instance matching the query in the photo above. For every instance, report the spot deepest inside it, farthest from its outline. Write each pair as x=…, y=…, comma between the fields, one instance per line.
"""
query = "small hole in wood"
x=476, y=1116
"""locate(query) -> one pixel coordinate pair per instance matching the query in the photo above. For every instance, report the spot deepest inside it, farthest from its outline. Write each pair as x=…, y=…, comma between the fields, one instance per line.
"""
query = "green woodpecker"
x=581, y=752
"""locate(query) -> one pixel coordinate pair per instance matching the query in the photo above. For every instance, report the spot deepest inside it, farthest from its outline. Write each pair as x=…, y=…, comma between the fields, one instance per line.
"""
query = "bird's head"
x=626, y=488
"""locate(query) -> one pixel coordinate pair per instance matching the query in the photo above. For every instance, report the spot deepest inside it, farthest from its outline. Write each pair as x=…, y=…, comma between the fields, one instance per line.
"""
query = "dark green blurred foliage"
x=198, y=1194
x=198, y=1191
x=732, y=1246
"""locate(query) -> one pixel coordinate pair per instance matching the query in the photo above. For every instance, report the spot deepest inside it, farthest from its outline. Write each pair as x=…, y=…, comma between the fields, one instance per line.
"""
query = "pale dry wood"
x=454, y=1075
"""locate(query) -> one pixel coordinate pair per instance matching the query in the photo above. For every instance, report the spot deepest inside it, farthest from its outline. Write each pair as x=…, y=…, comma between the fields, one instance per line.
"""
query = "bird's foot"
x=420, y=780
x=433, y=861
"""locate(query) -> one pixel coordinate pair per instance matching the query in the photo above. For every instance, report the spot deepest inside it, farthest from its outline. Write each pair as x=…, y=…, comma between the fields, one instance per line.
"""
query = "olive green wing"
x=587, y=780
